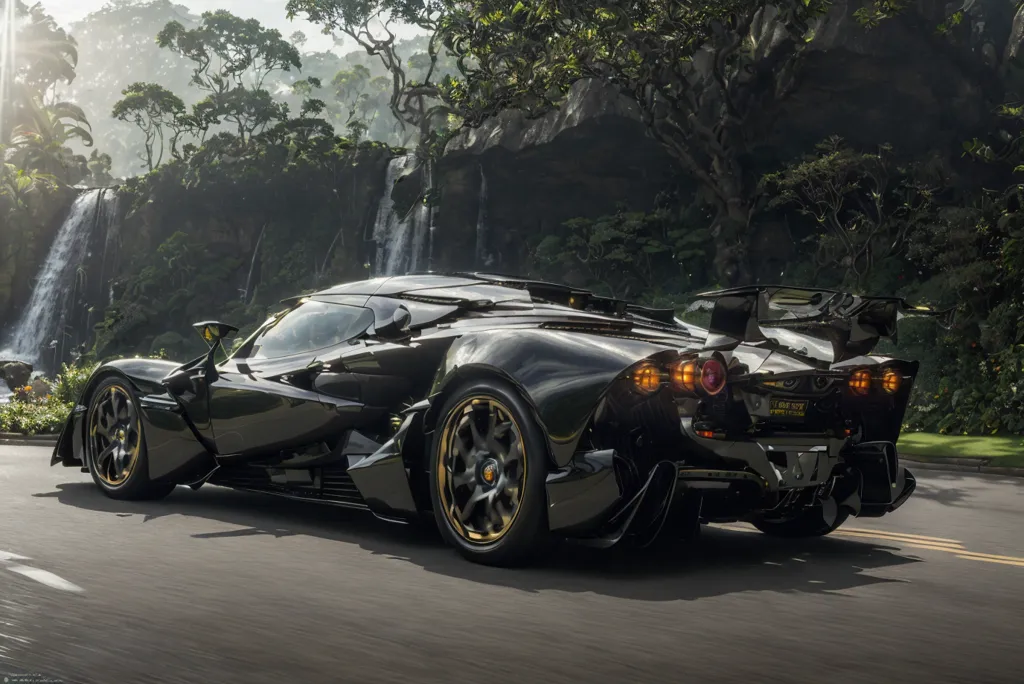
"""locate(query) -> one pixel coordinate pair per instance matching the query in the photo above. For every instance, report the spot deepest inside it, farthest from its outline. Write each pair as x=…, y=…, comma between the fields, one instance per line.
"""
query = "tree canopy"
x=703, y=75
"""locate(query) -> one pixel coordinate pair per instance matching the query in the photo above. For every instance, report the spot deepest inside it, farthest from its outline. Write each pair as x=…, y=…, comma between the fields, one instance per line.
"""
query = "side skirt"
x=297, y=497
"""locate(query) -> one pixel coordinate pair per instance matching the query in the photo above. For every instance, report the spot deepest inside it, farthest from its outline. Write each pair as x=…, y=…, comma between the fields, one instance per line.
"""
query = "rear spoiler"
x=801, y=319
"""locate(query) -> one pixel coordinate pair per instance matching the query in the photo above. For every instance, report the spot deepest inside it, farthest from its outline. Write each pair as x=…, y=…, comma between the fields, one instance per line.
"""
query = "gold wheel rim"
x=481, y=469
x=115, y=436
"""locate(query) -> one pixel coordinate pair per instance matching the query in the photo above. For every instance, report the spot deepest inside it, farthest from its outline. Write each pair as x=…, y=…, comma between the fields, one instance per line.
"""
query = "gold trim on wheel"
x=481, y=469
x=115, y=436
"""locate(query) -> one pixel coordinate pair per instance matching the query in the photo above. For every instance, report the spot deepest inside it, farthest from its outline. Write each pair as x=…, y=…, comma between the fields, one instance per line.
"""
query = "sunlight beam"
x=8, y=35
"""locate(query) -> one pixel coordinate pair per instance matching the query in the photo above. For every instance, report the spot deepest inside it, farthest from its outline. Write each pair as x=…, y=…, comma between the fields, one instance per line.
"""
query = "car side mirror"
x=398, y=327
x=214, y=332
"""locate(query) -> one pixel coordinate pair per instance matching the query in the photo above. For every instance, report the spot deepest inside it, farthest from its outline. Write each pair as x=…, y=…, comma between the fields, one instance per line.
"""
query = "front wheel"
x=115, y=445
x=488, y=470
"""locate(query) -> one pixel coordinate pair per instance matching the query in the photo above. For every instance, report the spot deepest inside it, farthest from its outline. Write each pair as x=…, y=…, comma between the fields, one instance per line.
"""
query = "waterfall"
x=43, y=318
x=400, y=240
x=483, y=257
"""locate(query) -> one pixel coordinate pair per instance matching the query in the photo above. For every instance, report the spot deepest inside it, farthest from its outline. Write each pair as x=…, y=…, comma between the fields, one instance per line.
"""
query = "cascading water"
x=483, y=256
x=400, y=240
x=41, y=321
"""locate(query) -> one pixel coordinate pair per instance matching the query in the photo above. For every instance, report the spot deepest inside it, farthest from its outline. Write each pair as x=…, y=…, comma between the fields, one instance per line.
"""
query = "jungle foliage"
x=255, y=163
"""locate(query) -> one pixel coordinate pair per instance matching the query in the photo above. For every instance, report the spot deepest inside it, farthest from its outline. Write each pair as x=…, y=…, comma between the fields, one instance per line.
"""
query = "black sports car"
x=516, y=411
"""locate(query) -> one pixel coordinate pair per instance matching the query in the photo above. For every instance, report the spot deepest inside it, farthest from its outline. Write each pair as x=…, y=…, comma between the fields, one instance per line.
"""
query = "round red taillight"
x=713, y=376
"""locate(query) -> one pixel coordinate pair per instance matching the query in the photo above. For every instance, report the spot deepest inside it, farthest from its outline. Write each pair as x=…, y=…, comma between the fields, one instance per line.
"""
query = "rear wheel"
x=115, y=445
x=808, y=523
x=487, y=475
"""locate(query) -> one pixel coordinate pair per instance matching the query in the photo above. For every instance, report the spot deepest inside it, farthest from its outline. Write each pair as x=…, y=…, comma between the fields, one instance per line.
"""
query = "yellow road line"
x=1019, y=564
x=950, y=548
x=990, y=556
x=882, y=536
x=933, y=547
x=913, y=541
x=958, y=551
x=899, y=534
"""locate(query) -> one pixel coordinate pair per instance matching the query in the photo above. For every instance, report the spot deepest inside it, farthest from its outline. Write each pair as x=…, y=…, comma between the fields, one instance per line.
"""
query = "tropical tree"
x=232, y=59
x=41, y=135
x=703, y=74
x=117, y=47
x=863, y=207
x=229, y=52
x=414, y=100
x=46, y=54
x=153, y=109
x=17, y=186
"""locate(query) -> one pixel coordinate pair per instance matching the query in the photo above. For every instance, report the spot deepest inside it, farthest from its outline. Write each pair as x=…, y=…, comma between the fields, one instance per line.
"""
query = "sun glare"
x=7, y=50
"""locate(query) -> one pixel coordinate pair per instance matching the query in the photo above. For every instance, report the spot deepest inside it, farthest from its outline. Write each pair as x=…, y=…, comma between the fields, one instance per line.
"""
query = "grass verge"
x=1000, y=451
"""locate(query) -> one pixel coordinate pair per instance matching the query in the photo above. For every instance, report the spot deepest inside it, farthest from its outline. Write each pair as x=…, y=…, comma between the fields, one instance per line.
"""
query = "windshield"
x=311, y=326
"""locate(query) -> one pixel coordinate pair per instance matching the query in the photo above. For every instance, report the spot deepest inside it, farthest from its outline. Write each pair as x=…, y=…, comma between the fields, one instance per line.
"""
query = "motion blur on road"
x=226, y=587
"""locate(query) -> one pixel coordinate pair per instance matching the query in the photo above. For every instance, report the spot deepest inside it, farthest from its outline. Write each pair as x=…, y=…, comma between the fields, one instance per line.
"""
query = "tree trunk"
x=252, y=266
x=731, y=233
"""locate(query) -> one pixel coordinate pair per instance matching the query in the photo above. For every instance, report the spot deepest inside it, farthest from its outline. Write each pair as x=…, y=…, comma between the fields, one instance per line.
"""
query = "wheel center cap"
x=121, y=435
x=489, y=472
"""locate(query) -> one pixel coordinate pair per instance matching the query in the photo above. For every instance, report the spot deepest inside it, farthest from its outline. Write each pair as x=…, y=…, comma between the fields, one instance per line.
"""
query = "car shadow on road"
x=961, y=490
x=720, y=562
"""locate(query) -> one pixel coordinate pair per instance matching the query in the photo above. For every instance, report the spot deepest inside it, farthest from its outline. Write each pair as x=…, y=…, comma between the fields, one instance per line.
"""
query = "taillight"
x=713, y=376
x=683, y=374
x=860, y=382
x=891, y=381
x=647, y=378
x=686, y=374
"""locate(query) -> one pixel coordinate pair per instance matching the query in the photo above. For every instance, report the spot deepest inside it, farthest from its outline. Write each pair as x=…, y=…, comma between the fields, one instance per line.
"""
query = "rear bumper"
x=785, y=464
x=730, y=479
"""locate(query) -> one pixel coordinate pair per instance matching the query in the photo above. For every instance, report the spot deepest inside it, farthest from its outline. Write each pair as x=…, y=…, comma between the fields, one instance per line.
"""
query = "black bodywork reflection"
x=348, y=416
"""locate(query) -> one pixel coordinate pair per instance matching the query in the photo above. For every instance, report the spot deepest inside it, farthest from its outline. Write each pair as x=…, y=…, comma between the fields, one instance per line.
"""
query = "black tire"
x=115, y=444
x=524, y=535
x=809, y=523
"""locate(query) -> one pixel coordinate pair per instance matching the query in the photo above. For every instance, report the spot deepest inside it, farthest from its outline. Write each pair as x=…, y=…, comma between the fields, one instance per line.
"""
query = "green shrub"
x=44, y=417
x=70, y=383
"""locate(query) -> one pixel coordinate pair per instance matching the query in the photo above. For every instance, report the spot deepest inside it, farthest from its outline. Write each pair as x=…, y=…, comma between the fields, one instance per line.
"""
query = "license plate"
x=787, y=408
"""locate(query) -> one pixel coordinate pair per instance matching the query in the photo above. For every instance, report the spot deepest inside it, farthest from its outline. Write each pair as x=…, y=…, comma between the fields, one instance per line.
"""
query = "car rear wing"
x=813, y=322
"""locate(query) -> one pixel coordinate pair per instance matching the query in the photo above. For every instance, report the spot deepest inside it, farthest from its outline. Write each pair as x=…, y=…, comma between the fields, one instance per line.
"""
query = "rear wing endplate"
x=797, y=317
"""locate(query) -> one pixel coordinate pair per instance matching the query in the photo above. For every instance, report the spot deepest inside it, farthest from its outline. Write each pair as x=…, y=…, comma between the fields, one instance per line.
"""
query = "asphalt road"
x=224, y=587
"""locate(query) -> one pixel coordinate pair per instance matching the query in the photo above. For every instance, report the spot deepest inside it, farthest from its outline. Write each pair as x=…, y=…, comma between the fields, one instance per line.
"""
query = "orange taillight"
x=683, y=374
x=647, y=378
x=891, y=381
x=860, y=382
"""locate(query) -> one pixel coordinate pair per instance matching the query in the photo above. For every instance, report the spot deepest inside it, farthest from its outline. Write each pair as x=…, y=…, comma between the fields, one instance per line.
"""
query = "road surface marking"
x=6, y=556
x=42, y=576
x=734, y=527
x=901, y=535
x=1018, y=563
x=45, y=577
x=955, y=548
x=990, y=556
x=914, y=541
x=951, y=545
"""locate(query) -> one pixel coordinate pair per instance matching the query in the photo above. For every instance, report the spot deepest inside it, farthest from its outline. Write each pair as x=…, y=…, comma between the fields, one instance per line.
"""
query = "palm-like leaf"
x=46, y=53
